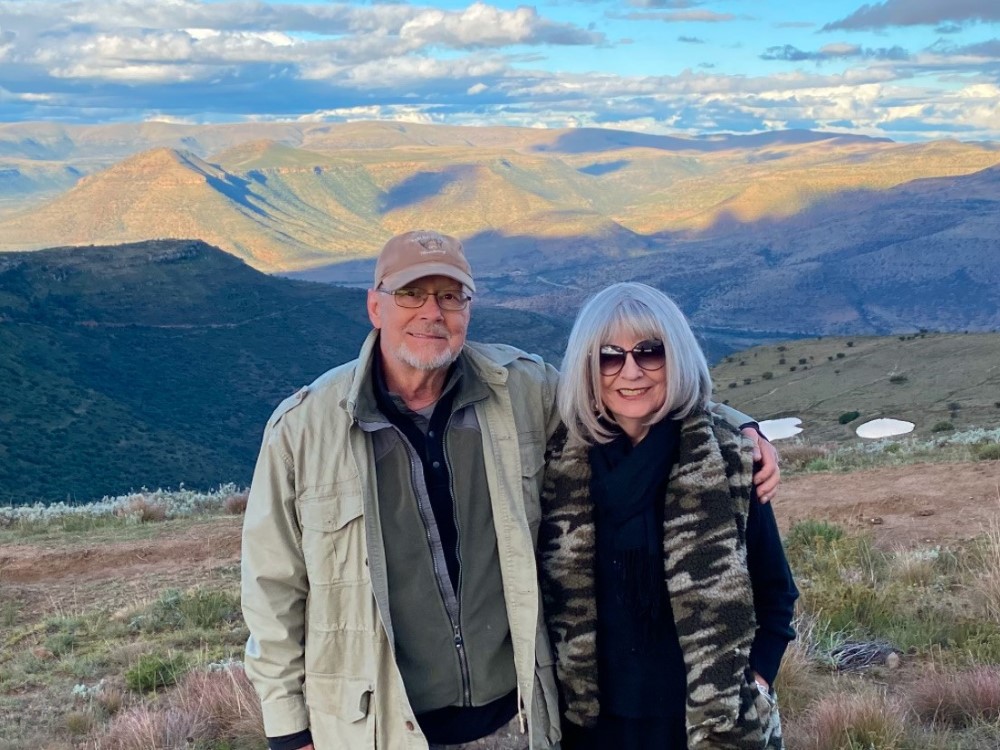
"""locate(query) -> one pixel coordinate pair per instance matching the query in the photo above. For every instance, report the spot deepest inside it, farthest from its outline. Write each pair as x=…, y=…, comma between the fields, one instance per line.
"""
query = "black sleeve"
x=774, y=591
x=290, y=741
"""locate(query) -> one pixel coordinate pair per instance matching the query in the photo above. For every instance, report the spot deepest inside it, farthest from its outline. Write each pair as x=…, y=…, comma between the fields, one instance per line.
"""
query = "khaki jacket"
x=315, y=592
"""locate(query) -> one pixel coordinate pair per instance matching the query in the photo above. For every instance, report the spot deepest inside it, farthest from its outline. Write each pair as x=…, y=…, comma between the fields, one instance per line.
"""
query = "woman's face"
x=638, y=390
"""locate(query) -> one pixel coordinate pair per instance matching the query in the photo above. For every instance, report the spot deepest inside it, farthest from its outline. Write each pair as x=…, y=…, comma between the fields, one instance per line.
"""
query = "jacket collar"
x=480, y=372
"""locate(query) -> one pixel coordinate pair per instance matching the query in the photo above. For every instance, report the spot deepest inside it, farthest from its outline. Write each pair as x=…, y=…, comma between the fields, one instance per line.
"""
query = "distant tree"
x=848, y=416
x=840, y=355
x=768, y=375
x=897, y=379
x=942, y=427
x=850, y=344
x=802, y=360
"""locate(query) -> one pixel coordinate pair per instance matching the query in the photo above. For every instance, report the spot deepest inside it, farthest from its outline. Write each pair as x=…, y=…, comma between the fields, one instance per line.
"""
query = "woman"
x=666, y=588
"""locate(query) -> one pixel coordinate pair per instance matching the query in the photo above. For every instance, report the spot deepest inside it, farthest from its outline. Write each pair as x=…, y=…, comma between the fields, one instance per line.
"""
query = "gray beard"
x=437, y=363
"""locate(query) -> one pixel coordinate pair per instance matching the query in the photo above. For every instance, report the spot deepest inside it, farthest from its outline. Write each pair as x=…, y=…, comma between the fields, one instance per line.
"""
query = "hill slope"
x=924, y=378
x=158, y=363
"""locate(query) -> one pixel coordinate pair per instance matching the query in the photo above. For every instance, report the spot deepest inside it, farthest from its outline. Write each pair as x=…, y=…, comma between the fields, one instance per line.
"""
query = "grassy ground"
x=137, y=644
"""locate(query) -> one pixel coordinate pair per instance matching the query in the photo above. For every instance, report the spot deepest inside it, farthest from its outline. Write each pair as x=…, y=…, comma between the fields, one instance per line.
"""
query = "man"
x=389, y=578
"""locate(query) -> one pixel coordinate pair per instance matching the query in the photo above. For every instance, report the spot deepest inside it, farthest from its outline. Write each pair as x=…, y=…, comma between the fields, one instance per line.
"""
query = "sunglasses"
x=648, y=355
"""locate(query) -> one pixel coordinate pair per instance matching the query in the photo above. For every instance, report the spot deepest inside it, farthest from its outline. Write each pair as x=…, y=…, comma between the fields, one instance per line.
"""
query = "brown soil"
x=903, y=507
x=75, y=576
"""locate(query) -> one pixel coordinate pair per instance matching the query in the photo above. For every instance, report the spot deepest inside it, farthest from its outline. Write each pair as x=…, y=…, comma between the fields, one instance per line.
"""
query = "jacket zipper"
x=450, y=599
x=463, y=658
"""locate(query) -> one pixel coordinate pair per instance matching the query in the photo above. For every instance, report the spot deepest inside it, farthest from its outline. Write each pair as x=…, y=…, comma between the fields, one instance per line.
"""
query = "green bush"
x=810, y=532
x=153, y=672
x=942, y=427
x=199, y=608
x=897, y=379
x=848, y=416
x=986, y=452
x=840, y=355
x=767, y=375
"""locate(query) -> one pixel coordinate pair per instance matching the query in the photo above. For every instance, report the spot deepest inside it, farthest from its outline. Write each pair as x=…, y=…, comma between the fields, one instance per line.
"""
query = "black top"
x=641, y=669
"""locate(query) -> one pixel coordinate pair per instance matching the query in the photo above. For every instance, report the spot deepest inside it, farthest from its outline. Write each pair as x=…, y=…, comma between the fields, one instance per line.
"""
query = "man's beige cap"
x=413, y=255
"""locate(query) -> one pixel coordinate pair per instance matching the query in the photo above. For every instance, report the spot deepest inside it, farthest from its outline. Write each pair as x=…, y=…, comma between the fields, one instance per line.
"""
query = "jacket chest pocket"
x=333, y=538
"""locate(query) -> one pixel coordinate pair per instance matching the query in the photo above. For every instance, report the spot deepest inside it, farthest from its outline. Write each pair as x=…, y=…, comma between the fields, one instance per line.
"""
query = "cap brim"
x=411, y=274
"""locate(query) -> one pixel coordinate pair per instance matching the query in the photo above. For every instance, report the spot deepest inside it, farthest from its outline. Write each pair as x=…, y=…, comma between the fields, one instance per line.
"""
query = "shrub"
x=803, y=360
x=797, y=456
x=848, y=416
x=747, y=381
x=782, y=348
x=850, y=344
x=817, y=464
x=77, y=723
x=236, y=504
x=153, y=672
x=942, y=427
x=809, y=533
x=897, y=379
x=200, y=608
x=996, y=404
x=781, y=361
x=986, y=452
x=142, y=510
x=732, y=385
x=767, y=375
x=840, y=355
x=792, y=368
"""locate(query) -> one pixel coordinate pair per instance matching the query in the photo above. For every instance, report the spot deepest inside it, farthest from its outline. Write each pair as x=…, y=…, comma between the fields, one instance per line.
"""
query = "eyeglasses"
x=649, y=355
x=412, y=298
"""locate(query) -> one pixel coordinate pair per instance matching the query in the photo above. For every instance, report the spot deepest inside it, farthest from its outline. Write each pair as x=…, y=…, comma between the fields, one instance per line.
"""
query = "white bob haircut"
x=644, y=312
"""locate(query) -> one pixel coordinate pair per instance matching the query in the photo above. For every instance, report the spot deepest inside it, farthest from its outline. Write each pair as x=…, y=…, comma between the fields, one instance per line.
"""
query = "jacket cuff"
x=290, y=741
x=765, y=655
x=285, y=716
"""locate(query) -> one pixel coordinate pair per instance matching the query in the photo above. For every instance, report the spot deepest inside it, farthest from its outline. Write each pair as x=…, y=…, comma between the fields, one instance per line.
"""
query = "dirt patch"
x=904, y=506
x=41, y=579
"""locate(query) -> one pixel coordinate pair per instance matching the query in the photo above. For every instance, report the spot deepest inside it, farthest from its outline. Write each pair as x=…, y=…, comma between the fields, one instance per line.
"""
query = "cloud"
x=839, y=51
x=482, y=25
x=988, y=49
x=663, y=3
x=690, y=40
x=917, y=13
x=680, y=16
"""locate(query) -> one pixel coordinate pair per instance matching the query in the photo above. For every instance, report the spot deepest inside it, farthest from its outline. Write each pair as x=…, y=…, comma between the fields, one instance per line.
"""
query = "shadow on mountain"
x=592, y=140
x=236, y=189
x=608, y=167
x=422, y=186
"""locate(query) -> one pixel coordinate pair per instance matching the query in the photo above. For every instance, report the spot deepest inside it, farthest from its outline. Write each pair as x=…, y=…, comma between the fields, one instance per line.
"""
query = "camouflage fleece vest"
x=704, y=549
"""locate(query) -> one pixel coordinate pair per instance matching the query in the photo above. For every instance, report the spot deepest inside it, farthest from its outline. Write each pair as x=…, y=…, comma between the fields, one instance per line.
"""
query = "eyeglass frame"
x=648, y=347
x=460, y=294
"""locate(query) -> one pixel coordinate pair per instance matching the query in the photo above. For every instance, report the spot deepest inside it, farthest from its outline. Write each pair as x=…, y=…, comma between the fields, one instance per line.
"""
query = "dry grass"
x=143, y=510
x=205, y=707
x=798, y=456
x=236, y=504
x=984, y=585
x=957, y=699
x=850, y=721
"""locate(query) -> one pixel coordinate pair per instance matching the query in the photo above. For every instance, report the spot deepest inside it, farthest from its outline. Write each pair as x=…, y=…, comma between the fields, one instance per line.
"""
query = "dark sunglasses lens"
x=649, y=355
x=611, y=362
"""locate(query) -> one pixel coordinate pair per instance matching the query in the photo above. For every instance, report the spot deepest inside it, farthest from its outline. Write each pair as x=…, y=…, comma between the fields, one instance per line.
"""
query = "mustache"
x=432, y=330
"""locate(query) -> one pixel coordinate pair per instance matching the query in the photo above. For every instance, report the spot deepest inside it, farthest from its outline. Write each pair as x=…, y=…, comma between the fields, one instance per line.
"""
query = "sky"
x=910, y=70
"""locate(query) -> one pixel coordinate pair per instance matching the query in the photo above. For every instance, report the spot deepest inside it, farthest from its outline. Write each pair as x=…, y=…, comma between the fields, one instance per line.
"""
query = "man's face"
x=423, y=338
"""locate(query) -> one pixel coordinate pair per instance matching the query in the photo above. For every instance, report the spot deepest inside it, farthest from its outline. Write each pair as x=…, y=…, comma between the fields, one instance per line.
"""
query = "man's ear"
x=374, y=308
